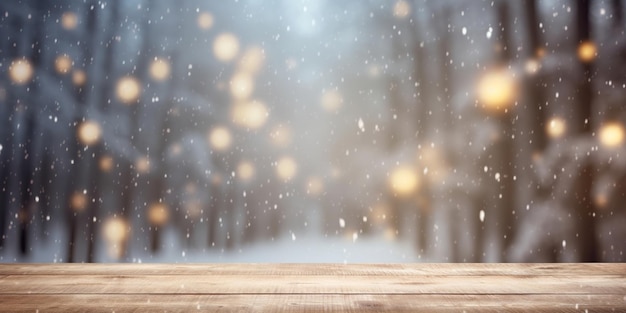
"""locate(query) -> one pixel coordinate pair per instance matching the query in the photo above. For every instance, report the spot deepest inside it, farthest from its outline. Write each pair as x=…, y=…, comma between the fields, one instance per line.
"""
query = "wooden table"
x=313, y=287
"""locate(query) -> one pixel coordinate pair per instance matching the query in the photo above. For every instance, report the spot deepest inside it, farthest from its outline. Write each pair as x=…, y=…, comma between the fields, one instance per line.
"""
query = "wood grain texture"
x=482, y=269
x=313, y=287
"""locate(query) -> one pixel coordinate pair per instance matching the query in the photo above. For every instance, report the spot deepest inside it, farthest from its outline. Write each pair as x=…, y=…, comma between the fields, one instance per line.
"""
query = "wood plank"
x=478, y=269
x=311, y=303
x=313, y=287
x=296, y=284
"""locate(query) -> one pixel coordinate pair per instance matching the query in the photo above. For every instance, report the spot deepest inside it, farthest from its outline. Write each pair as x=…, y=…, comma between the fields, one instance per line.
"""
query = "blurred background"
x=312, y=131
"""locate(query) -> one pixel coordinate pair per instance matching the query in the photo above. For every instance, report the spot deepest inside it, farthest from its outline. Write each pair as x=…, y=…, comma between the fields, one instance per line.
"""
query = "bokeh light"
x=221, y=131
x=205, y=20
x=63, y=64
x=245, y=171
x=89, y=132
x=79, y=77
x=600, y=199
x=497, y=90
x=128, y=89
x=142, y=165
x=532, y=66
x=69, y=20
x=252, y=60
x=314, y=186
x=226, y=47
x=556, y=127
x=21, y=71
x=115, y=231
x=587, y=51
x=401, y=9
x=251, y=115
x=331, y=100
x=286, y=168
x=106, y=163
x=540, y=53
x=611, y=134
x=158, y=214
x=403, y=180
x=241, y=86
x=159, y=69
x=78, y=201
x=220, y=138
x=192, y=205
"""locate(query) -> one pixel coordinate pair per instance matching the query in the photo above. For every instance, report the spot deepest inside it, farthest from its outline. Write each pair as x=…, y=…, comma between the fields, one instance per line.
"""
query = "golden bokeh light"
x=331, y=100
x=158, y=214
x=79, y=77
x=205, y=20
x=78, y=201
x=128, y=89
x=115, y=231
x=497, y=90
x=245, y=171
x=176, y=149
x=142, y=165
x=252, y=60
x=286, y=168
x=587, y=51
x=63, y=64
x=314, y=186
x=403, y=180
x=540, y=53
x=556, y=127
x=611, y=134
x=89, y=132
x=600, y=199
x=225, y=47
x=241, y=86
x=532, y=66
x=401, y=9
x=250, y=115
x=69, y=20
x=220, y=138
x=159, y=69
x=106, y=163
x=21, y=71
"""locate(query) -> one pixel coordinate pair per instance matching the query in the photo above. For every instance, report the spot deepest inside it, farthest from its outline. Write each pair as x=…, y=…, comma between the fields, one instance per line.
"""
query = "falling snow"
x=398, y=132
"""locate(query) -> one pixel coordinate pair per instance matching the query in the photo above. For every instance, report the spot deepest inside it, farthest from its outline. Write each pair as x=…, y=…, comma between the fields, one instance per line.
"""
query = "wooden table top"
x=313, y=287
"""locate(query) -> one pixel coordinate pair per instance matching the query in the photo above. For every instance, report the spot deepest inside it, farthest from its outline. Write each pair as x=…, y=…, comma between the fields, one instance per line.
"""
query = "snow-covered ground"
x=306, y=248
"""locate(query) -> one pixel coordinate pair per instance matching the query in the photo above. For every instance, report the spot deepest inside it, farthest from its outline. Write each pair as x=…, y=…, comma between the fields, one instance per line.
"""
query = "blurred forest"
x=455, y=131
